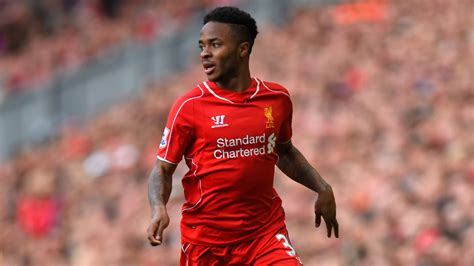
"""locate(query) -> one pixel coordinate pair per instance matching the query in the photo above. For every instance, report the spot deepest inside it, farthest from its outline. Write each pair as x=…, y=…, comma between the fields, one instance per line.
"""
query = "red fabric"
x=147, y=28
x=355, y=79
x=76, y=146
x=470, y=175
x=425, y=239
x=362, y=11
x=270, y=249
x=37, y=216
x=228, y=141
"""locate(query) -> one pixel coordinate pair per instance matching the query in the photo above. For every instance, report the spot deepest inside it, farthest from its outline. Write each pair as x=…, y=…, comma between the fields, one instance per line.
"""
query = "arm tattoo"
x=159, y=187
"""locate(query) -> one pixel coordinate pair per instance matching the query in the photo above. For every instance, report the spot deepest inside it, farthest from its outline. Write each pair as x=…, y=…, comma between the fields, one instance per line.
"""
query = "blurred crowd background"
x=383, y=107
x=39, y=37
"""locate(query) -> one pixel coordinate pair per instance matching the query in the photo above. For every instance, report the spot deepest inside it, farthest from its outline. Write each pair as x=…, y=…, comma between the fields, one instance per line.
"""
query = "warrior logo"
x=218, y=121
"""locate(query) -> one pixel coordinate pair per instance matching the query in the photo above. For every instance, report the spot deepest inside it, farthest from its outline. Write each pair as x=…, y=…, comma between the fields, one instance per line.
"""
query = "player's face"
x=219, y=51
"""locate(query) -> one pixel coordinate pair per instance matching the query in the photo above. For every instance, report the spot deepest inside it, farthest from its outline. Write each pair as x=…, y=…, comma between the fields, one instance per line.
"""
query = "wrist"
x=158, y=209
x=324, y=188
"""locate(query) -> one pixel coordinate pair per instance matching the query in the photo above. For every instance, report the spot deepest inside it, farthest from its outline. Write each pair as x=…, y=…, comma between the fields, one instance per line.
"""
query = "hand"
x=326, y=206
x=159, y=222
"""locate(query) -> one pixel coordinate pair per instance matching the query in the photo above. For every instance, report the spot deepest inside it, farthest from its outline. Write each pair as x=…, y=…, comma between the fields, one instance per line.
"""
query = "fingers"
x=332, y=224
x=328, y=227
x=318, y=219
x=152, y=229
x=159, y=233
x=155, y=230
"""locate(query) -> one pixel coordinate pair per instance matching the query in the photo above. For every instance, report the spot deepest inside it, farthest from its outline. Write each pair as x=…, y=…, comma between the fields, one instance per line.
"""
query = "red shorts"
x=269, y=249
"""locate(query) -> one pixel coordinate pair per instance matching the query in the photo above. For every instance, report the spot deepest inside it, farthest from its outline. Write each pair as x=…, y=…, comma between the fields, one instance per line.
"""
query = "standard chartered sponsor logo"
x=223, y=154
x=236, y=147
x=271, y=143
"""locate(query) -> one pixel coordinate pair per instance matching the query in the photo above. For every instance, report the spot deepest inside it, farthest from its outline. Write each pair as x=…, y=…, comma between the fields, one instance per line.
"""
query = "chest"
x=239, y=120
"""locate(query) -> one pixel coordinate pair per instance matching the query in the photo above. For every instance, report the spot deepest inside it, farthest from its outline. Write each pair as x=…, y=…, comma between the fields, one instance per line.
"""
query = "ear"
x=244, y=49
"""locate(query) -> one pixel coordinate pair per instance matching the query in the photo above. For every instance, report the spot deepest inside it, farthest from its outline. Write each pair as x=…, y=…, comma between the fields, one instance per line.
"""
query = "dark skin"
x=293, y=164
x=220, y=47
x=225, y=59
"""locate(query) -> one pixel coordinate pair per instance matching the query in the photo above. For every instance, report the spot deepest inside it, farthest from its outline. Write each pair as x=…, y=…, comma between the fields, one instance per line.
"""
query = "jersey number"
x=286, y=244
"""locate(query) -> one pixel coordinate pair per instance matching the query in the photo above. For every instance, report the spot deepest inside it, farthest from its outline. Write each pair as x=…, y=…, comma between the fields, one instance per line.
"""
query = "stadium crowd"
x=41, y=39
x=384, y=110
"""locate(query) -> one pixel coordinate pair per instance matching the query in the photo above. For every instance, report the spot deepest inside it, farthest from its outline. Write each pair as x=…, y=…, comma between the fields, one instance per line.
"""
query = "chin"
x=213, y=77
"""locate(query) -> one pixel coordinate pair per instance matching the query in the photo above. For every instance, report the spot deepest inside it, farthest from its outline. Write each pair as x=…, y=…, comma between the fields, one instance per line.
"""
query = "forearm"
x=293, y=164
x=159, y=188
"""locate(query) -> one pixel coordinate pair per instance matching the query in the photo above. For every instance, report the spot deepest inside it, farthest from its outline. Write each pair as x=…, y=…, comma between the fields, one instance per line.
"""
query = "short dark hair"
x=241, y=22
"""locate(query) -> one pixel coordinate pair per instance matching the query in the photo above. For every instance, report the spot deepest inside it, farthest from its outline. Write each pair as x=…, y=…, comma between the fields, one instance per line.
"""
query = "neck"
x=237, y=83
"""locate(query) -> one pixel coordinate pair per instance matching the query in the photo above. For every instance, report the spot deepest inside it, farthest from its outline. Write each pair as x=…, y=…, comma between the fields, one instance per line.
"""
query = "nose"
x=205, y=53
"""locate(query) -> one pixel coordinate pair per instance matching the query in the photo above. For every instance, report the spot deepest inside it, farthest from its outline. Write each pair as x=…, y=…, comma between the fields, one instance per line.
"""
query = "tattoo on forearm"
x=153, y=187
x=159, y=188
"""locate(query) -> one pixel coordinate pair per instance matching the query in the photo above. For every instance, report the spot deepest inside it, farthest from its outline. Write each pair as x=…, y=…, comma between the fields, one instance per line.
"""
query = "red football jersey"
x=228, y=142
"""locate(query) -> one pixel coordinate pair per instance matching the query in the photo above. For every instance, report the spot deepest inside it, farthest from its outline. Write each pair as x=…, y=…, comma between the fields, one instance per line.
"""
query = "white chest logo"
x=218, y=121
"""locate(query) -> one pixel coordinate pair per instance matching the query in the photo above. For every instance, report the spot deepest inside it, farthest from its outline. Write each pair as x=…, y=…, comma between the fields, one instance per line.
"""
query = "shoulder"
x=276, y=90
x=184, y=102
x=193, y=94
x=273, y=87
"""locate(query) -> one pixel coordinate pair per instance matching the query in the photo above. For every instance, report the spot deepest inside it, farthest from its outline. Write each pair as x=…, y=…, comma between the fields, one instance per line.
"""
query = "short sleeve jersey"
x=227, y=140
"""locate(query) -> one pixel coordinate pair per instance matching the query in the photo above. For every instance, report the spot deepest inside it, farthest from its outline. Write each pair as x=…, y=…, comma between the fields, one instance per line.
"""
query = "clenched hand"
x=159, y=222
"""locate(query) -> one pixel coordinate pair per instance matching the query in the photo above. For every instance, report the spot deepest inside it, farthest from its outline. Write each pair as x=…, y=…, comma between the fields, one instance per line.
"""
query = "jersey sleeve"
x=286, y=131
x=178, y=133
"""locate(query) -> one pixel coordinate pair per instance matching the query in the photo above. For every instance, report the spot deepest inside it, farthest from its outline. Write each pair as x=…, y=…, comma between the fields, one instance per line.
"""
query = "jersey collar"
x=233, y=97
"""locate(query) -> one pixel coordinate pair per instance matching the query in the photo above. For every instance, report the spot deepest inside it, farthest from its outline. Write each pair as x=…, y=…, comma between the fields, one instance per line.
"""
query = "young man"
x=231, y=130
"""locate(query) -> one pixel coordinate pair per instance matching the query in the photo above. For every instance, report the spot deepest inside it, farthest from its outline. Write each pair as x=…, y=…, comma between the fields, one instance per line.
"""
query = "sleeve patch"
x=164, y=138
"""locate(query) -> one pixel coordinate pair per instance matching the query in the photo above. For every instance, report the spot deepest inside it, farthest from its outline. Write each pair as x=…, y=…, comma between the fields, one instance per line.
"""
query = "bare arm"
x=159, y=191
x=293, y=164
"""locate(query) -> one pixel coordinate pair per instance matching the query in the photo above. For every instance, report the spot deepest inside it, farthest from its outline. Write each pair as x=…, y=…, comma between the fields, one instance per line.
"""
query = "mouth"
x=208, y=67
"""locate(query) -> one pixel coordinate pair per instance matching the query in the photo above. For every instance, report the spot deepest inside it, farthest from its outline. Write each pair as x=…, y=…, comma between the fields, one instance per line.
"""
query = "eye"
x=216, y=45
x=200, y=47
